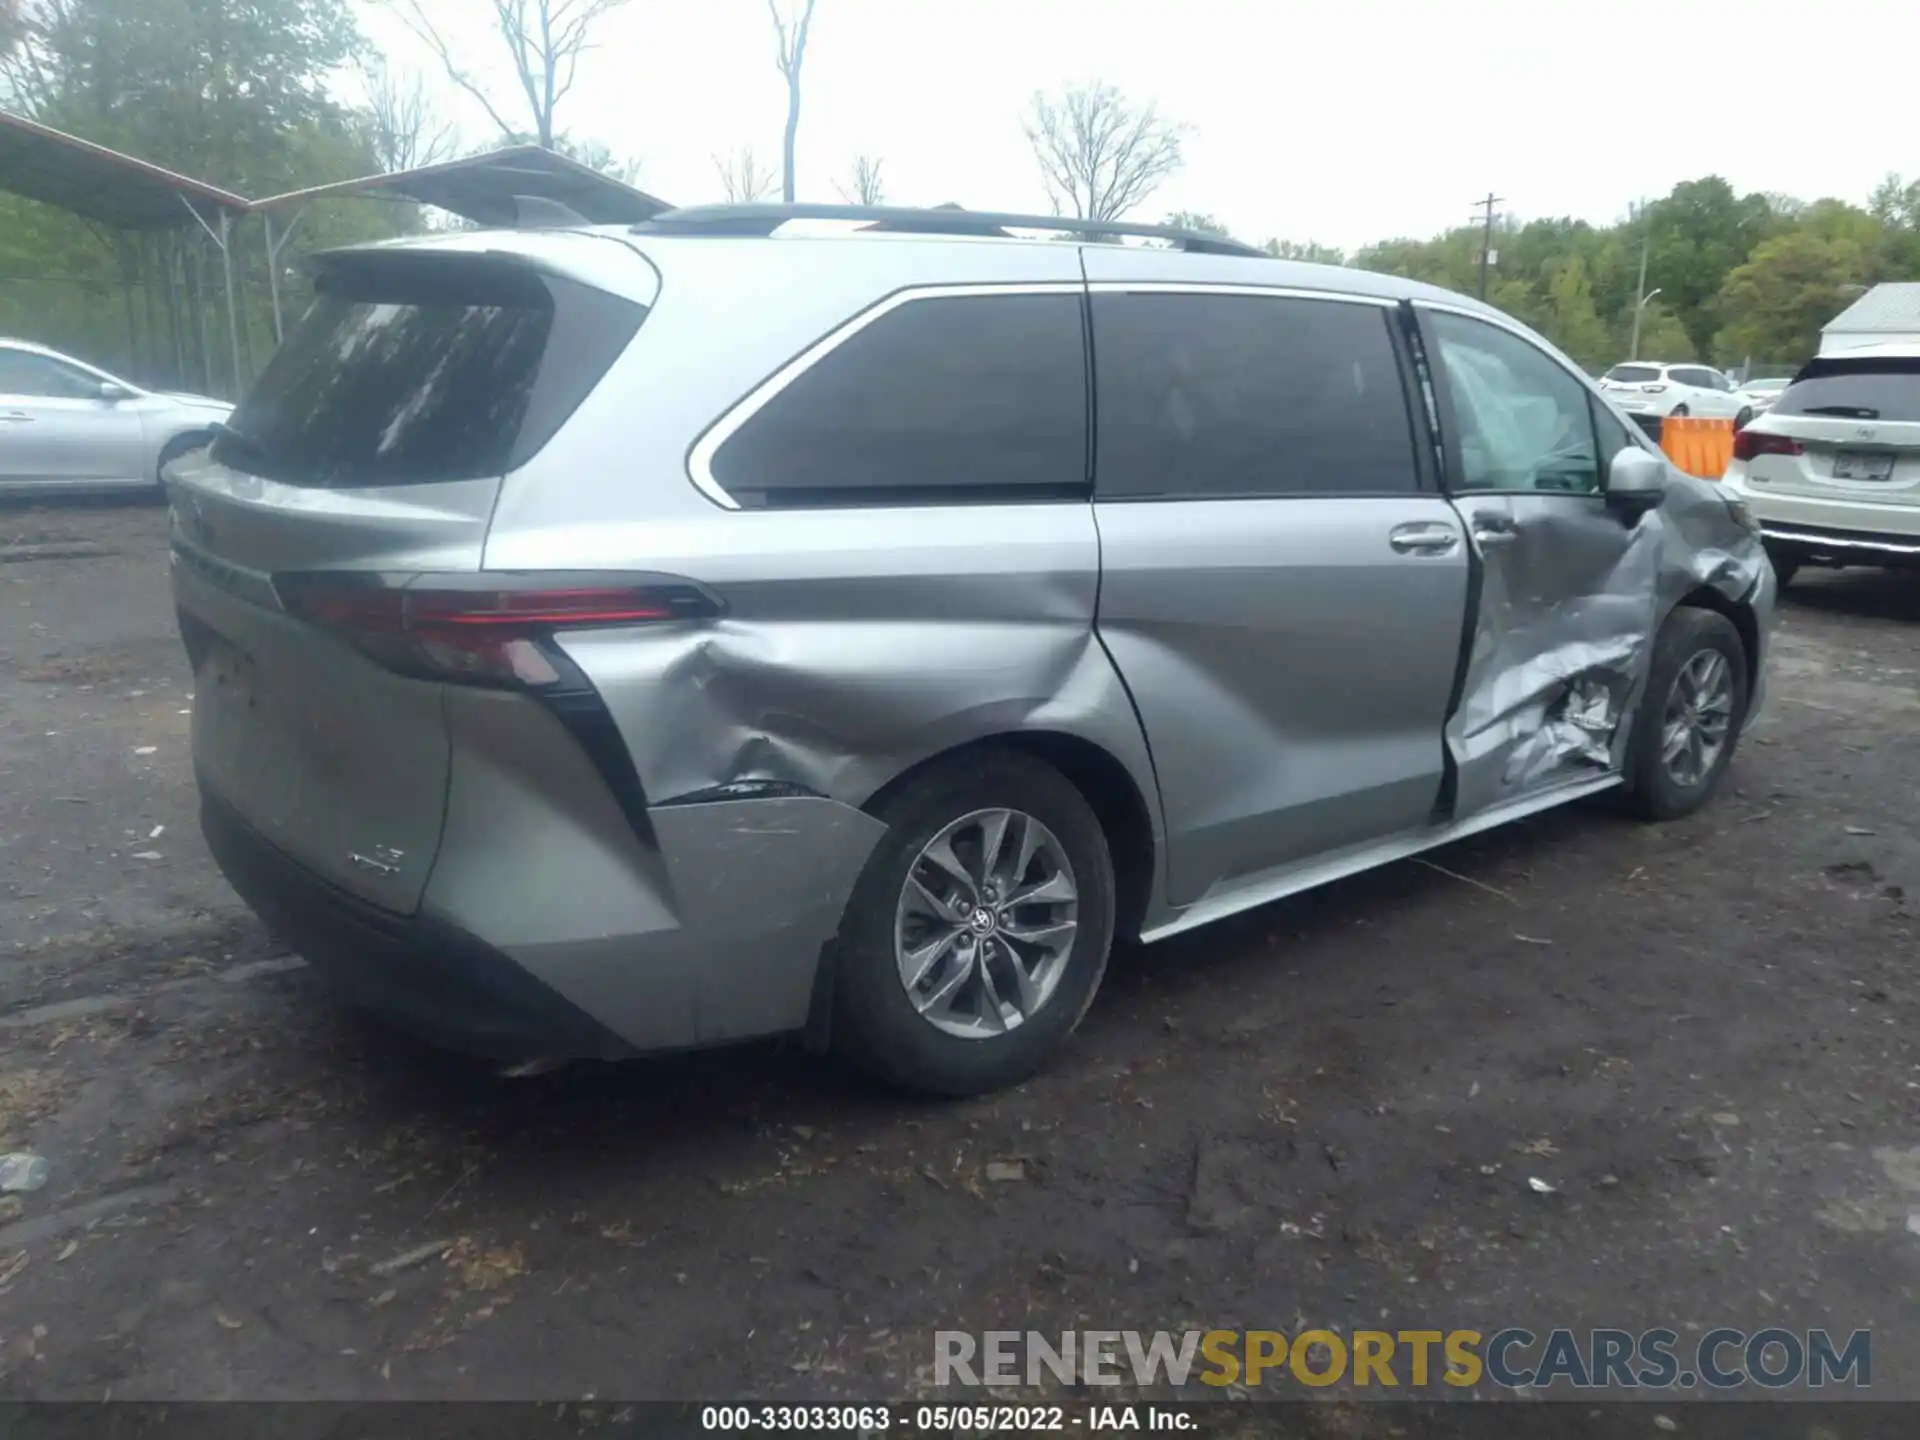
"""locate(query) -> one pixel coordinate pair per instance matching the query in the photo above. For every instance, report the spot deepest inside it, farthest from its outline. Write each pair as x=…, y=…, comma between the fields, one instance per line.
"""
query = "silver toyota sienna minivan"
x=617, y=640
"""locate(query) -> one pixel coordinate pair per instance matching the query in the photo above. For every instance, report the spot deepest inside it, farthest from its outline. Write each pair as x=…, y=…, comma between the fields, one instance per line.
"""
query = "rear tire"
x=903, y=1034
x=1689, y=719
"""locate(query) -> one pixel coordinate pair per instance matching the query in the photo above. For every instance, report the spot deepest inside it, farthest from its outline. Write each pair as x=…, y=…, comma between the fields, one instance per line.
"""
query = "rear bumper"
x=1866, y=547
x=530, y=949
x=423, y=974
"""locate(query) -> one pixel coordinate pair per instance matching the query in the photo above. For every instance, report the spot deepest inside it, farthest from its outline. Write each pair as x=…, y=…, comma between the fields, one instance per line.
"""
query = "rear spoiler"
x=1860, y=363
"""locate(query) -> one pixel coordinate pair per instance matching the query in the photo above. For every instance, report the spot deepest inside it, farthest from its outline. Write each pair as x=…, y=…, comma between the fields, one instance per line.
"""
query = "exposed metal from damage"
x=1551, y=687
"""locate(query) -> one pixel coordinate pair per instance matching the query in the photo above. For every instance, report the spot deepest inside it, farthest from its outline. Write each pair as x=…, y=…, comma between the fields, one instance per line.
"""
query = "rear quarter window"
x=1245, y=396
x=940, y=400
x=416, y=370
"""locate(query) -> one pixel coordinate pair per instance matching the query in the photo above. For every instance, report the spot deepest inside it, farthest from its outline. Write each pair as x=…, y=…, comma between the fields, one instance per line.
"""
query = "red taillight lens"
x=1653, y=389
x=482, y=629
x=1750, y=444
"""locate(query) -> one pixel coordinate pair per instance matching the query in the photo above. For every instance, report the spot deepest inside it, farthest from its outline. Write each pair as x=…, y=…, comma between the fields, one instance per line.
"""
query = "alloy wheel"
x=985, y=923
x=1698, y=719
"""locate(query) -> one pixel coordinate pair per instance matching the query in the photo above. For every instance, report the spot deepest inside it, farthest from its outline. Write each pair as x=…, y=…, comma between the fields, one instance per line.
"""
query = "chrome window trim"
x=1273, y=292
x=700, y=457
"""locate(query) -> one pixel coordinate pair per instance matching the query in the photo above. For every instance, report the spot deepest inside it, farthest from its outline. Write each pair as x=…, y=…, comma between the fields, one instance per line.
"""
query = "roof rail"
x=764, y=219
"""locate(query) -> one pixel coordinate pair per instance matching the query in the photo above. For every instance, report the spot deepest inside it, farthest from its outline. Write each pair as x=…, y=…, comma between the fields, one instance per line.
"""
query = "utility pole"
x=1486, y=241
x=1640, y=296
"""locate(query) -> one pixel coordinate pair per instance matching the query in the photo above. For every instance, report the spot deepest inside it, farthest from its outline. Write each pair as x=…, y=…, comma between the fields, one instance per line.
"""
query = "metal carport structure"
x=488, y=189
x=127, y=195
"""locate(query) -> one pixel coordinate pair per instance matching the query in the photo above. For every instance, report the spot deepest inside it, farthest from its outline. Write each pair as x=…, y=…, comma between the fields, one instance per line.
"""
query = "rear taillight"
x=1653, y=389
x=1750, y=444
x=482, y=629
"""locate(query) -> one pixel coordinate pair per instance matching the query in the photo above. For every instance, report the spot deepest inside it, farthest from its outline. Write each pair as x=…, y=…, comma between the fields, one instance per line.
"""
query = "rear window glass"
x=1855, y=390
x=1634, y=374
x=410, y=372
x=1230, y=396
x=946, y=400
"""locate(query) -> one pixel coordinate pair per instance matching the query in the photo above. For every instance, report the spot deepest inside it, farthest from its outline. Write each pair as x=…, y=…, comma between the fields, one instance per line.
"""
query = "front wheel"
x=1689, y=719
x=978, y=932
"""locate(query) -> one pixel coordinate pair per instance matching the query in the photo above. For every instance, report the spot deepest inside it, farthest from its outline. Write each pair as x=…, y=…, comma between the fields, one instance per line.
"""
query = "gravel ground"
x=1328, y=1112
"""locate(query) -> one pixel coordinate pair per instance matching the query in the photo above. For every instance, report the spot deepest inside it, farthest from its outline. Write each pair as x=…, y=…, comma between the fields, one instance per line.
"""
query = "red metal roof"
x=63, y=170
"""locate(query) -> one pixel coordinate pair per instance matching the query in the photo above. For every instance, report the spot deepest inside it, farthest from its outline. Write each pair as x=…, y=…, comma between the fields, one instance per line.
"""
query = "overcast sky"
x=1345, y=121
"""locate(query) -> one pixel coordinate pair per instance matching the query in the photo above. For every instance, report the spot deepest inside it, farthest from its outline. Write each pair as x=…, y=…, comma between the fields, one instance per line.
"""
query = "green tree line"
x=247, y=95
x=234, y=92
x=1734, y=278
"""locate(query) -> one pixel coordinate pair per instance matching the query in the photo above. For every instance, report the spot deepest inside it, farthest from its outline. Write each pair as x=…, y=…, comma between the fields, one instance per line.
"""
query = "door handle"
x=16, y=417
x=1423, y=537
x=1491, y=528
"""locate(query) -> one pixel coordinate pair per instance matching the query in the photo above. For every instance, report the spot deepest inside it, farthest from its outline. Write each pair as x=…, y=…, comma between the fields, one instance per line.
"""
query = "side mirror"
x=1636, y=483
x=112, y=393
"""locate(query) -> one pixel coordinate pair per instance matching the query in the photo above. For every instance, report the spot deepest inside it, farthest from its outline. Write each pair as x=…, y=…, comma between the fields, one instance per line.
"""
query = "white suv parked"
x=1647, y=389
x=1831, y=472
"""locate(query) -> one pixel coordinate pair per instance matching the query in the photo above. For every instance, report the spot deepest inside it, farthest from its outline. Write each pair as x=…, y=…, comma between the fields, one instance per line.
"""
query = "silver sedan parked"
x=69, y=426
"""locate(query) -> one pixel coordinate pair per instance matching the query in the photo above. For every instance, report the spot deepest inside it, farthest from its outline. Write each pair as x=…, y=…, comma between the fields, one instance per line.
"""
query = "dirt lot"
x=1330, y=1111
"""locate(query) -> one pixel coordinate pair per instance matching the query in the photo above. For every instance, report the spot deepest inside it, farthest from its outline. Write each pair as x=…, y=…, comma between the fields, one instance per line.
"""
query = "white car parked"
x=1760, y=394
x=1648, y=389
x=67, y=426
x=1831, y=472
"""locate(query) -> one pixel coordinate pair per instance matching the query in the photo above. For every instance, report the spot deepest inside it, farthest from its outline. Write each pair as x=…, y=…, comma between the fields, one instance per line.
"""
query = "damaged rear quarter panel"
x=860, y=643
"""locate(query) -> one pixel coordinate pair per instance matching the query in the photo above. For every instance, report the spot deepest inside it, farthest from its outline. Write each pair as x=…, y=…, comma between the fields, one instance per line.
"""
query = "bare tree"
x=742, y=176
x=402, y=124
x=1100, y=155
x=793, y=53
x=863, y=185
x=544, y=39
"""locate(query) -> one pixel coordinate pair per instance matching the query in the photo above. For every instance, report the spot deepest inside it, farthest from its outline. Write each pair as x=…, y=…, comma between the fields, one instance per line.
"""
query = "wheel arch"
x=1110, y=791
x=172, y=448
x=1744, y=621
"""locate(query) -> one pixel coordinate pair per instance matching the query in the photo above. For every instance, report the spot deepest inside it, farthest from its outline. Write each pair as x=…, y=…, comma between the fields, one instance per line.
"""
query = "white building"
x=1885, y=315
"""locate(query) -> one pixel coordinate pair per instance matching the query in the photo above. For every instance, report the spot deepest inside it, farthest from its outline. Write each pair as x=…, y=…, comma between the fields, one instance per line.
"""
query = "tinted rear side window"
x=1223, y=396
x=952, y=399
x=409, y=371
x=1855, y=390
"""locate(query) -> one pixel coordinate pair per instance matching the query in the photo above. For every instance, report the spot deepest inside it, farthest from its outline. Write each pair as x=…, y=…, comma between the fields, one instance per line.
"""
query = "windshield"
x=1768, y=387
x=1634, y=374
